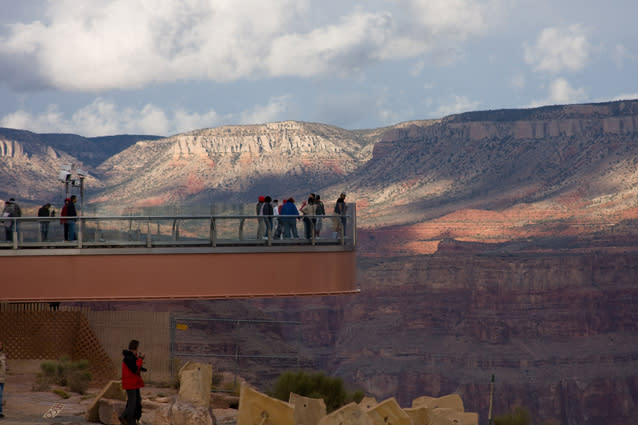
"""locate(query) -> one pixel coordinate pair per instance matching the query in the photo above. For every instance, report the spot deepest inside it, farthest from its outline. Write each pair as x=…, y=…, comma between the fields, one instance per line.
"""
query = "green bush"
x=314, y=385
x=518, y=416
x=75, y=375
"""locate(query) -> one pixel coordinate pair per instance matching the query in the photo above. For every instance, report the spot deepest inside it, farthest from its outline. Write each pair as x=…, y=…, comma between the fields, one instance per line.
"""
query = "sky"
x=162, y=67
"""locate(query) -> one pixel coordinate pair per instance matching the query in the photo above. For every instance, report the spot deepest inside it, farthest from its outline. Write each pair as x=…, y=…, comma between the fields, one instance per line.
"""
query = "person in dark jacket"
x=267, y=212
x=72, y=212
x=44, y=211
x=290, y=214
x=132, y=368
x=63, y=213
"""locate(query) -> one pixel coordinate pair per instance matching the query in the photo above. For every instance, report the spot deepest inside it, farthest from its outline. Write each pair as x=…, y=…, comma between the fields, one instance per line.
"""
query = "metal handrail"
x=185, y=230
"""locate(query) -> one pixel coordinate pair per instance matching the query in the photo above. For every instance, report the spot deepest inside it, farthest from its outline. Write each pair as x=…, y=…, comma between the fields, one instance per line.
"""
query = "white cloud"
x=101, y=118
x=561, y=92
x=274, y=110
x=456, y=105
x=621, y=54
x=97, y=45
x=626, y=96
x=559, y=49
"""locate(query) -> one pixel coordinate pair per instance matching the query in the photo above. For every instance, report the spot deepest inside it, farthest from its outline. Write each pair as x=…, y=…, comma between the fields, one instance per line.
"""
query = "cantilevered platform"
x=145, y=258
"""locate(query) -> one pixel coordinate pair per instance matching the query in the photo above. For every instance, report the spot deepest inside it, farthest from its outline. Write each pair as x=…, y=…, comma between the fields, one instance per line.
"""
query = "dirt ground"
x=22, y=406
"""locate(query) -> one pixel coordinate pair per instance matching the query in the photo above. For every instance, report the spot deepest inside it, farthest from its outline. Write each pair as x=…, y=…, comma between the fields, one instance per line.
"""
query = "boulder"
x=450, y=401
x=388, y=412
x=307, y=411
x=451, y=416
x=350, y=414
x=183, y=413
x=109, y=411
x=368, y=403
x=195, y=381
x=256, y=408
x=419, y=415
x=112, y=390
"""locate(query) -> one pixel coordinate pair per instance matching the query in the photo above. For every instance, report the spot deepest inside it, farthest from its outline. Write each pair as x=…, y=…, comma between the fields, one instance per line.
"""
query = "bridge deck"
x=203, y=264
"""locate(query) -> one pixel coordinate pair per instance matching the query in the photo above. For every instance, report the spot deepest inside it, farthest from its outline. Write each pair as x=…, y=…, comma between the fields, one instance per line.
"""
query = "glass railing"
x=177, y=231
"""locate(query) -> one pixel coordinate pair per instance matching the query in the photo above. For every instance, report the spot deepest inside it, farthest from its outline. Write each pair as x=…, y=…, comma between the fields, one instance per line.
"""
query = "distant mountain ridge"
x=399, y=175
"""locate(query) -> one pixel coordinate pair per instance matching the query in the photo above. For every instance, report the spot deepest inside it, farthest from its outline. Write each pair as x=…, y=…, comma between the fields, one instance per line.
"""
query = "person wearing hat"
x=11, y=209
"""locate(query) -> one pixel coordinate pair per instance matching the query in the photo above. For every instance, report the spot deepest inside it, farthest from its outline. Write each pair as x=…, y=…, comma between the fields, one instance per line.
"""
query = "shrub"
x=75, y=375
x=518, y=416
x=314, y=385
x=61, y=393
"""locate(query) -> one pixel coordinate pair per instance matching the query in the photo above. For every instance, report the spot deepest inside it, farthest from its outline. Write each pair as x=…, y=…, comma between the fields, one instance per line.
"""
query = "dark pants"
x=133, y=411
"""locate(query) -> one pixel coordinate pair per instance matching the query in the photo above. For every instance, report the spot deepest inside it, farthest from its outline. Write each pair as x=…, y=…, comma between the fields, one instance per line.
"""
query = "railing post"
x=15, y=233
x=81, y=221
x=149, y=239
x=213, y=232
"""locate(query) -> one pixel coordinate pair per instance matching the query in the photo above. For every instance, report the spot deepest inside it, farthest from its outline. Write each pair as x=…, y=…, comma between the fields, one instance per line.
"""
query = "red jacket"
x=131, y=371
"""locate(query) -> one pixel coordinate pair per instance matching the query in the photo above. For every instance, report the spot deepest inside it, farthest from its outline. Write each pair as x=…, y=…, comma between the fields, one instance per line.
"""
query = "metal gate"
x=255, y=350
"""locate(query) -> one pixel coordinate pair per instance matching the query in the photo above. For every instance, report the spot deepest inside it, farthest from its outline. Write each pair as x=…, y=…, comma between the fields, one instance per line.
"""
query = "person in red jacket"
x=132, y=382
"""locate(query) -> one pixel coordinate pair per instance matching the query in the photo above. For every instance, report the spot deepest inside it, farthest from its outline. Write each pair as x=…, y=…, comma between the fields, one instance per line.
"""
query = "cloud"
x=102, y=117
x=621, y=54
x=456, y=105
x=561, y=92
x=97, y=45
x=558, y=50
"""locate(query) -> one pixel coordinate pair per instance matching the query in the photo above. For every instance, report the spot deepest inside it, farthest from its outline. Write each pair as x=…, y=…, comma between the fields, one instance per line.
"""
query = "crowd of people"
x=67, y=218
x=280, y=220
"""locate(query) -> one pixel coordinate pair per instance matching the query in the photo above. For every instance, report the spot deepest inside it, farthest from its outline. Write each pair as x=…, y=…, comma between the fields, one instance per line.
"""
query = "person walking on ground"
x=132, y=368
x=44, y=211
x=340, y=209
x=3, y=375
x=11, y=209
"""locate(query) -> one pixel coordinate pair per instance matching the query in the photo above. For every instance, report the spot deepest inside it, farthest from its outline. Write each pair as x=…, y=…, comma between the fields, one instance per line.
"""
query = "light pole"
x=66, y=176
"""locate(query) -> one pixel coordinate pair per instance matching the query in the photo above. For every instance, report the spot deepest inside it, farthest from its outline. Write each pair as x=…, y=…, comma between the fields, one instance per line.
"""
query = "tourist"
x=320, y=211
x=260, y=221
x=340, y=209
x=11, y=209
x=308, y=210
x=289, y=210
x=44, y=211
x=132, y=382
x=63, y=213
x=267, y=212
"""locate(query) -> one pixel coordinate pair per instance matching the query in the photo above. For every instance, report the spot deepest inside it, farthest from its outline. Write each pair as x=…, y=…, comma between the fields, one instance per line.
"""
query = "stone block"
x=451, y=416
x=350, y=414
x=112, y=390
x=256, y=408
x=388, y=412
x=450, y=401
x=109, y=411
x=419, y=415
x=182, y=413
x=195, y=380
x=368, y=403
x=307, y=411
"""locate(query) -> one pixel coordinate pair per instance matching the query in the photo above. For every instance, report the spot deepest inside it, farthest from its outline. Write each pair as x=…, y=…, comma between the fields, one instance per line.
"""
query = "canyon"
x=490, y=242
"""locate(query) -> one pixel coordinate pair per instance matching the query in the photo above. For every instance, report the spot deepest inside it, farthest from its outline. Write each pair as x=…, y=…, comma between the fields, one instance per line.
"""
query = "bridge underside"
x=168, y=275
